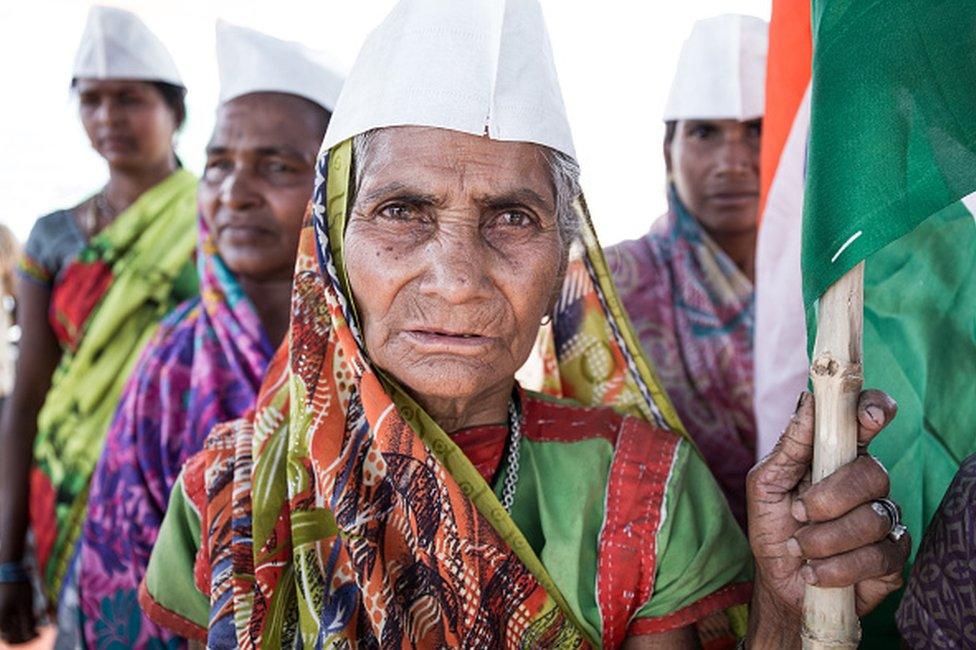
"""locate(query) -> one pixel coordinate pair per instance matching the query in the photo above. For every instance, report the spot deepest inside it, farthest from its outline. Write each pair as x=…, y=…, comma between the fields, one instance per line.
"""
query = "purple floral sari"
x=203, y=367
x=694, y=310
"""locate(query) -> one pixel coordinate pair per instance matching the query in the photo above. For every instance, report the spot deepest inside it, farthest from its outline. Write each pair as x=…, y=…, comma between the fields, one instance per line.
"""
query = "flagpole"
x=829, y=615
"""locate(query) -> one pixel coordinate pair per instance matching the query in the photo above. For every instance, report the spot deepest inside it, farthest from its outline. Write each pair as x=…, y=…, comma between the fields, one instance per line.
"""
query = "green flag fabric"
x=891, y=180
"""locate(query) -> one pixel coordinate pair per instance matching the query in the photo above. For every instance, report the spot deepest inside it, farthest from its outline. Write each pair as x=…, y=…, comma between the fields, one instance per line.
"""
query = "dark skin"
x=714, y=166
x=131, y=127
x=255, y=188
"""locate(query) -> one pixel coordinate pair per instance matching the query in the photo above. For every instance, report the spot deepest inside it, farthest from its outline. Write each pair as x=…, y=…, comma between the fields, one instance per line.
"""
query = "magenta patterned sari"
x=203, y=367
x=694, y=310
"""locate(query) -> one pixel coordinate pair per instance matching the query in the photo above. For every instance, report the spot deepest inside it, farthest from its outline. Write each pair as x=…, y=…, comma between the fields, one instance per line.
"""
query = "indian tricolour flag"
x=781, y=364
x=890, y=178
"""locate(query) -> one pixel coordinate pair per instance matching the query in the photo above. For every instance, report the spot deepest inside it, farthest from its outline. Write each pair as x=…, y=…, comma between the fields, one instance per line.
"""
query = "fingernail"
x=808, y=574
x=799, y=511
x=800, y=400
x=876, y=414
x=793, y=547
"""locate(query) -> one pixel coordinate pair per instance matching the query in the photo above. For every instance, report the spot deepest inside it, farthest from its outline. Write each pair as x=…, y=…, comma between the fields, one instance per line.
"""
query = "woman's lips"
x=441, y=341
x=733, y=198
x=117, y=143
x=243, y=233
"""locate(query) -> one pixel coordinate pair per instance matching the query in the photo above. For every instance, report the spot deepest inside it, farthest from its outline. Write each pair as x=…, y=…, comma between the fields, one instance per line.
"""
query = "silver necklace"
x=514, y=450
x=100, y=211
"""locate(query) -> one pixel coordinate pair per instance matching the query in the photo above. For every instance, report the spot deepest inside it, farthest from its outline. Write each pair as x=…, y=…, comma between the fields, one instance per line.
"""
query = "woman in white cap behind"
x=206, y=362
x=94, y=282
x=395, y=486
x=687, y=284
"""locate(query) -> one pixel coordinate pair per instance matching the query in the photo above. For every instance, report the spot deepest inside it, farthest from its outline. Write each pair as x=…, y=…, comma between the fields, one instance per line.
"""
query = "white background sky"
x=615, y=59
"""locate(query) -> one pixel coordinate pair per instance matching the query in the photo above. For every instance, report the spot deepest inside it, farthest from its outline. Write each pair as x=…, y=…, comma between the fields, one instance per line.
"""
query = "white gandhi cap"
x=249, y=62
x=116, y=44
x=721, y=71
x=483, y=67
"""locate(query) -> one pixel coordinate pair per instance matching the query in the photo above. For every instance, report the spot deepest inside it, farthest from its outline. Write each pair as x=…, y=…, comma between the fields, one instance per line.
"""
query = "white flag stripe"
x=781, y=363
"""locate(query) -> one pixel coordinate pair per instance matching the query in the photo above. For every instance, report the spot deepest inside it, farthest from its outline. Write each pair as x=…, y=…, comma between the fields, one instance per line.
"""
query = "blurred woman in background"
x=95, y=280
x=687, y=284
x=208, y=358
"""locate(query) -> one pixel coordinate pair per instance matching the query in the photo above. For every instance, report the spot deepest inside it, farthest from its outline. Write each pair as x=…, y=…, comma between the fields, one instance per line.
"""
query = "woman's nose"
x=736, y=156
x=456, y=268
x=108, y=112
x=235, y=191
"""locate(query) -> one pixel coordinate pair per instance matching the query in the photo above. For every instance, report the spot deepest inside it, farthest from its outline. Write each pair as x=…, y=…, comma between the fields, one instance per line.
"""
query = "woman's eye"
x=702, y=131
x=397, y=212
x=278, y=167
x=515, y=219
x=216, y=167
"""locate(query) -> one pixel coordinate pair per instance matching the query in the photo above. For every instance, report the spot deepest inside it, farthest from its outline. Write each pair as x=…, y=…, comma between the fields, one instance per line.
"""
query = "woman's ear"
x=670, y=133
x=667, y=158
x=558, y=288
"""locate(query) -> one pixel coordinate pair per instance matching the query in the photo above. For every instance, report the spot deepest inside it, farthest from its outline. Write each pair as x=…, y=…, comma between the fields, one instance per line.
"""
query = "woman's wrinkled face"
x=454, y=257
x=258, y=180
x=714, y=165
x=128, y=122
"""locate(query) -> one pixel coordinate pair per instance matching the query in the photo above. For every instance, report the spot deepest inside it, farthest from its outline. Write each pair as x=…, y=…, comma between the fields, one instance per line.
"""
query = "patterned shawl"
x=939, y=606
x=203, y=367
x=331, y=512
x=693, y=310
x=133, y=267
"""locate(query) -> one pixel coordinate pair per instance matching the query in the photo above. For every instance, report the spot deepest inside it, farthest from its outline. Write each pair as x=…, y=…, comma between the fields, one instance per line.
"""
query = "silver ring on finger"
x=897, y=532
x=888, y=508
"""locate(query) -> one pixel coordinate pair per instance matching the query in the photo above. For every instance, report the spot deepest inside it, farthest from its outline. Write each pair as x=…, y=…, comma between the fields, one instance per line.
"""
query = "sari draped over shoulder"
x=203, y=367
x=339, y=514
x=109, y=301
x=694, y=312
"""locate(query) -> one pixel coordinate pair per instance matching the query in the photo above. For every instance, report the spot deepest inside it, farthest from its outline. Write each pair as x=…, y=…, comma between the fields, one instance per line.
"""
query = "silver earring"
x=546, y=319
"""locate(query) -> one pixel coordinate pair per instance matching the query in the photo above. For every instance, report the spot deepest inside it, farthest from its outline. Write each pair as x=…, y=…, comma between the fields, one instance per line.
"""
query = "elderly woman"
x=687, y=284
x=395, y=486
x=95, y=281
x=206, y=362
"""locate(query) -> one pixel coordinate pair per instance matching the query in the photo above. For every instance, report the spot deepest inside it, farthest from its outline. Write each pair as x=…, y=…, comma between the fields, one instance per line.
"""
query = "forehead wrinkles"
x=455, y=167
x=261, y=128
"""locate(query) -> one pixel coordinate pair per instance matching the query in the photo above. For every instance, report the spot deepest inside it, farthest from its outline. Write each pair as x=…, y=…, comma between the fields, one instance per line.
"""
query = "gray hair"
x=563, y=170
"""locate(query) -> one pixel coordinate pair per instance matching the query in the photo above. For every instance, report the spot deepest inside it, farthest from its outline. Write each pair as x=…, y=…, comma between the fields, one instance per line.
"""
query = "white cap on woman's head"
x=251, y=62
x=721, y=71
x=483, y=67
x=116, y=44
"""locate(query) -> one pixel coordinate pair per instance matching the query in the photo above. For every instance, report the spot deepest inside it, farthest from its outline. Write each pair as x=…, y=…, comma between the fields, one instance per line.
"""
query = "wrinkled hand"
x=17, y=622
x=825, y=534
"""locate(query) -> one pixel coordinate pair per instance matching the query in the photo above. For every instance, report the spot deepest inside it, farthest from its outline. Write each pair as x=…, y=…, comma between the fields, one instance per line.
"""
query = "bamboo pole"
x=829, y=616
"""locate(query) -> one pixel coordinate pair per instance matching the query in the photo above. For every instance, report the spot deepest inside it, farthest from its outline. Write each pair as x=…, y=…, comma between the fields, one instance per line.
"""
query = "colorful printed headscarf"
x=130, y=274
x=328, y=514
x=694, y=310
x=204, y=367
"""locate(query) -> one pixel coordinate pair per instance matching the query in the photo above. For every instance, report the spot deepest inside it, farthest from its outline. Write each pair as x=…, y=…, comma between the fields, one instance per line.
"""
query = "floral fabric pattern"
x=203, y=367
x=694, y=312
x=112, y=297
